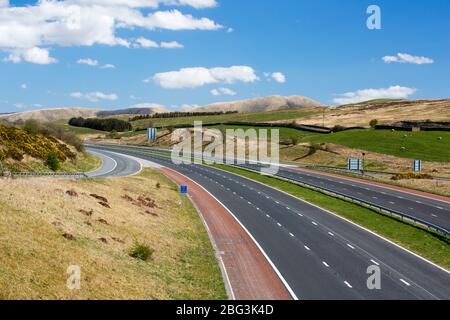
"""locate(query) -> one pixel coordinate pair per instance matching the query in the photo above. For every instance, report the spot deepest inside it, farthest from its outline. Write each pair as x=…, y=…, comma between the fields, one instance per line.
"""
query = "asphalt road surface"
x=113, y=164
x=320, y=255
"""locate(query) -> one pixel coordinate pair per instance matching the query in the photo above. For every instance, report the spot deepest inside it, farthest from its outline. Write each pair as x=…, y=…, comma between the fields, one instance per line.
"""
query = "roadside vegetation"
x=108, y=124
x=131, y=240
x=41, y=147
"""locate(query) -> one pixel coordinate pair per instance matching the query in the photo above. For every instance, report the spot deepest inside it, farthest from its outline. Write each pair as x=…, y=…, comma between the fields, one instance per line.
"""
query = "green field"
x=424, y=145
x=238, y=117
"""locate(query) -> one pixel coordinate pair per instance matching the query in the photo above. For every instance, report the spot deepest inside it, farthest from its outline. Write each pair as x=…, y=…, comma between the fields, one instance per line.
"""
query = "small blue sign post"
x=184, y=190
x=417, y=166
x=152, y=134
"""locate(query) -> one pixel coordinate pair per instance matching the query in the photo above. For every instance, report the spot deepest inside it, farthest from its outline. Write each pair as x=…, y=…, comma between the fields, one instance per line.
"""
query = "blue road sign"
x=152, y=134
x=183, y=189
x=417, y=166
x=355, y=164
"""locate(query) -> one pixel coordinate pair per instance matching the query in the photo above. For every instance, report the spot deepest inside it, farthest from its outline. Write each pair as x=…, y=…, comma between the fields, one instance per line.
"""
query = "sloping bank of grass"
x=426, y=244
x=66, y=222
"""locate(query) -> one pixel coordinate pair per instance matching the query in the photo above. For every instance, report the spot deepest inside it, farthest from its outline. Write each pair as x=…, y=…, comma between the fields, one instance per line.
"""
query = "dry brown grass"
x=360, y=115
x=34, y=254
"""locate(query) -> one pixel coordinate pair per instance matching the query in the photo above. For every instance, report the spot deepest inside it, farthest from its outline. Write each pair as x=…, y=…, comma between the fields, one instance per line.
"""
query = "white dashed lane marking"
x=348, y=284
x=406, y=283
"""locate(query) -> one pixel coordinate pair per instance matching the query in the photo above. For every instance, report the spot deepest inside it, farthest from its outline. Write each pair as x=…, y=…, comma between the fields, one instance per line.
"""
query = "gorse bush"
x=15, y=143
x=52, y=162
x=141, y=251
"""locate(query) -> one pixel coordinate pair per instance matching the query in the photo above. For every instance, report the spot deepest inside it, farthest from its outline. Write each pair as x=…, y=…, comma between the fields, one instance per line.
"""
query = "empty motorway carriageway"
x=318, y=254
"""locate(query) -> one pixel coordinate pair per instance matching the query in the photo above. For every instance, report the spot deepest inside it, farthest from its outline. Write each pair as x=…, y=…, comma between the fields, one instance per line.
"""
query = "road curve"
x=320, y=255
x=428, y=209
x=113, y=164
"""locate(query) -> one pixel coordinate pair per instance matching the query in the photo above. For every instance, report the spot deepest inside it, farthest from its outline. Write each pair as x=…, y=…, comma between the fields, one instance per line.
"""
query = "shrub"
x=411, y=175
x=295, y=140
x=101, y=124
x=373, y=123
x=141, y=251
x=52, y=161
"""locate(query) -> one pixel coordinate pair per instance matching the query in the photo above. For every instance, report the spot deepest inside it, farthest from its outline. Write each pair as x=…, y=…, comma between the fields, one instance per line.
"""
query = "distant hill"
x=138, y=109
x=50, y=114
x=384, y=110
x=271, y=103
x=67, y=113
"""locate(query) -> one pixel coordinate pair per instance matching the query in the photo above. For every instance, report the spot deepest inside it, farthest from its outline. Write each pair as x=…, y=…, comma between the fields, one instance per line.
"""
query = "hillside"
x=23, y=151
x=60, y=223
x=47, y=115
x=263, y=104
x=385, y=111
x=138, y=109
x=51, y=115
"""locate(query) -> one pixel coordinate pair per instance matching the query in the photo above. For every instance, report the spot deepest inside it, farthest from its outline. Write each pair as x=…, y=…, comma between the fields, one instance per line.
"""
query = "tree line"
x=101, y=124
x=179, y=115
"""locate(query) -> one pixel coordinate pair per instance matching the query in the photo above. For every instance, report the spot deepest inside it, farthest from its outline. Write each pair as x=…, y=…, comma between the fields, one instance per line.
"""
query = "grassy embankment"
x=22, y=151
x=47, y=225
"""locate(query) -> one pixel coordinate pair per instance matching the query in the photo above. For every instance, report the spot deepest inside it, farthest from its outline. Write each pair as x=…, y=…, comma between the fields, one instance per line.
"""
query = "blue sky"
x=320, y=49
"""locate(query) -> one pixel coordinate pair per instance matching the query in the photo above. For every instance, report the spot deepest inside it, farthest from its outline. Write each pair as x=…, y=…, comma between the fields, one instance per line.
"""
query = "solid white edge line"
x=347, y=220
x=291, y=292
x=115, y=163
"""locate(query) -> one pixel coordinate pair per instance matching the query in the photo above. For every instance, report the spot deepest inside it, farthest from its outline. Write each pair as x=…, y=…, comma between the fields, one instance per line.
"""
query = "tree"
x=52, y=161
x=373, y=123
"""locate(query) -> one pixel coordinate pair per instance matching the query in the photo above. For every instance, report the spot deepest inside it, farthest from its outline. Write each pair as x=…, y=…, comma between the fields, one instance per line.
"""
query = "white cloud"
x=197, y=4
x=145, y=43
x=222, y=91
x=94, y=96
x=198, y=77
x=108, y=66
x=171, y=45
x=393, y=92
x=33, y=55
x=278, y=77
x=88, y=61
x=407, y=58
x=230, y=30
x=88, y=23
x=24, y=86
x=4, y=3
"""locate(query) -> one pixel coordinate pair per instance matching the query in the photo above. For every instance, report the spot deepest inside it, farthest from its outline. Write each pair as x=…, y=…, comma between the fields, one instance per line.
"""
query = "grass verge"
x=60, y=223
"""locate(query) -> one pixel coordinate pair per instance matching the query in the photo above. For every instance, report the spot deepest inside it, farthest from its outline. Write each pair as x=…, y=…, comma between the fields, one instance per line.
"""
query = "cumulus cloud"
x=223, y=91
x=393, y=92
x=33, y=55
x=95, y=96
x=407, y=58
x=278, y=77
x=87, y=23
x=24, y=86
x=108, y=66
x=198, y=77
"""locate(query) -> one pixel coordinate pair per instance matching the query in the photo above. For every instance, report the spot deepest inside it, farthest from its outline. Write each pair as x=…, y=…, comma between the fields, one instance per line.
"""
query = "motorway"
x=318, y=254
x=113, y=165
x=432, y=211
